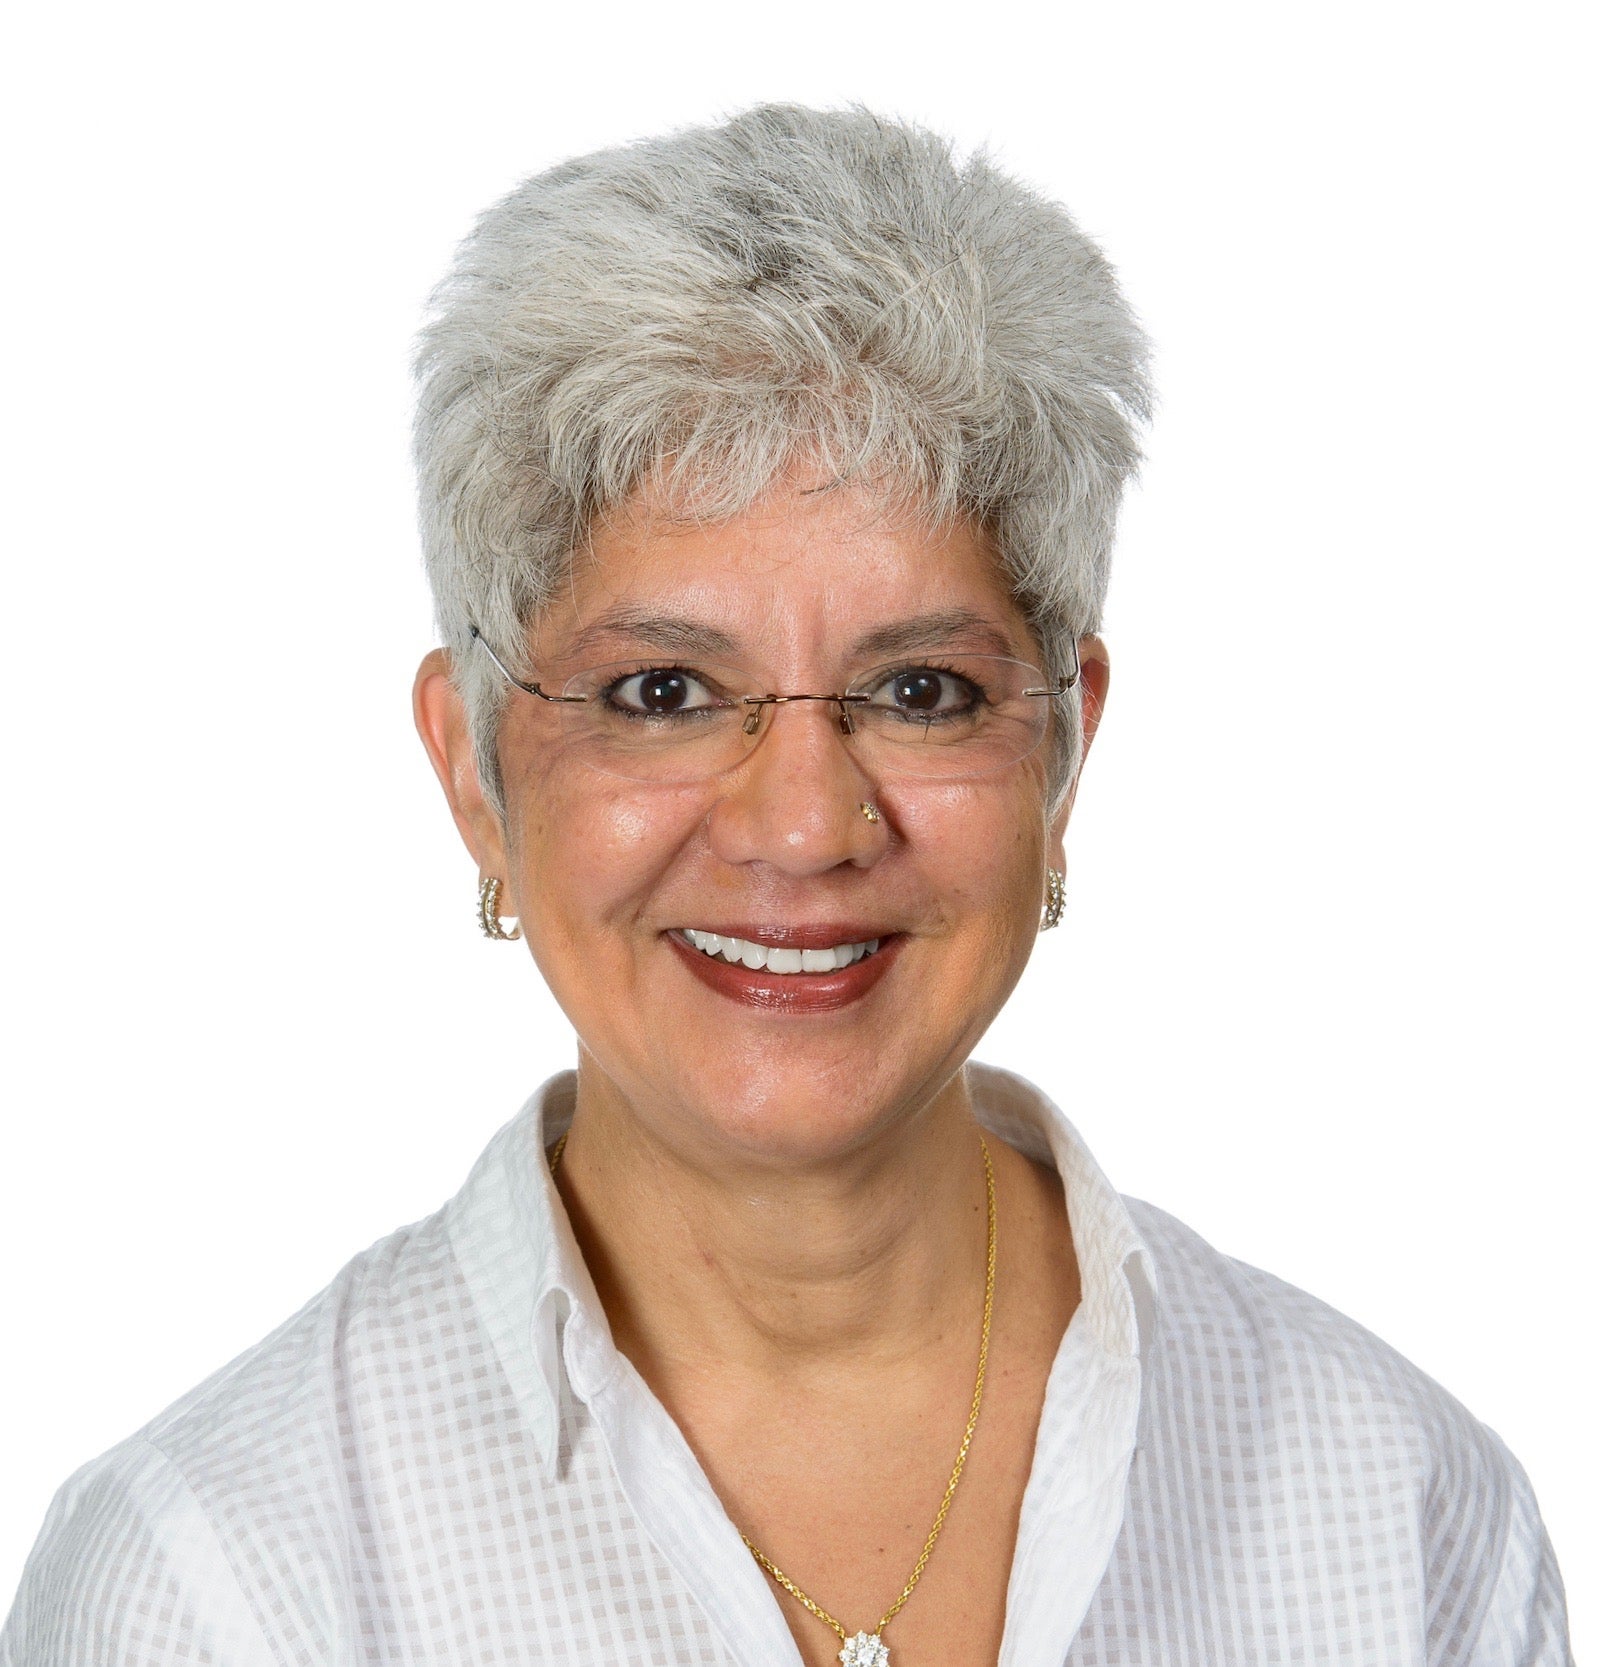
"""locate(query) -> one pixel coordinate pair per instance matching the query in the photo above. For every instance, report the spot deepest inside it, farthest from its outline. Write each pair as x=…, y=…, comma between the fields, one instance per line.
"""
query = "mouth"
x=788, y=959
x=806, y=969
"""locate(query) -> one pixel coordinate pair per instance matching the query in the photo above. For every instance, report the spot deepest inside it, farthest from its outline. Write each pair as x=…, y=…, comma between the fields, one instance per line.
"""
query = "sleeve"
x=127, y=1572
x=1525, y=1623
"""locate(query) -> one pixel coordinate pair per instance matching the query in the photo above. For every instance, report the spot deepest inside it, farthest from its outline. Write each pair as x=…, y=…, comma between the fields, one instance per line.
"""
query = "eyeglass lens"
x=957, y=716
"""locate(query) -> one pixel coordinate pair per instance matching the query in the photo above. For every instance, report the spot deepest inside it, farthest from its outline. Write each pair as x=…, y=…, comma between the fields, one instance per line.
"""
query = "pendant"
x=864, y=1649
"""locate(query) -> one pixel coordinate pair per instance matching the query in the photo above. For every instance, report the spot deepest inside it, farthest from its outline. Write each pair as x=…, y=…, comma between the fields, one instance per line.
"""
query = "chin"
x=793, y=1114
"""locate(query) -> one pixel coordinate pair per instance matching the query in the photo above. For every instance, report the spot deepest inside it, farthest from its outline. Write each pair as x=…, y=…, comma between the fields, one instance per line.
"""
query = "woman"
x=768, y=476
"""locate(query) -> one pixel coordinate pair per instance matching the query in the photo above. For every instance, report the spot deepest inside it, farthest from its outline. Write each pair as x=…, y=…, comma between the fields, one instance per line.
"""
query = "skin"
x=784, y=1213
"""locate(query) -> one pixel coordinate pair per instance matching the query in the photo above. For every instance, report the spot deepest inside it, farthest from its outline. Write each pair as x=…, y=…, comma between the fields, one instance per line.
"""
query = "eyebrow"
x=943, y=628
x=664, y=631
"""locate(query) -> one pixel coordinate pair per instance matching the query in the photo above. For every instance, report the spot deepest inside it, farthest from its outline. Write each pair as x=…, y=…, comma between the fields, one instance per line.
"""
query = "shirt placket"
x=673, y=1500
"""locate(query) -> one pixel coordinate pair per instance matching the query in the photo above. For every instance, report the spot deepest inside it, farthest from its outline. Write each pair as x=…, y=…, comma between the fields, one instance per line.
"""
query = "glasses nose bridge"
x=764, y=714
x=756, y=721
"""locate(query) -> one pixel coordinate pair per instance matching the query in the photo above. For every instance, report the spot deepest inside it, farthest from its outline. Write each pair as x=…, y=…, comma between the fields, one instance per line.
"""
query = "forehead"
x=803, y=572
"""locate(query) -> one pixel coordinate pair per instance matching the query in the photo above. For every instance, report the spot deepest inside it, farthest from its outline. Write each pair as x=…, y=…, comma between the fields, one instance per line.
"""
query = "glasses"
x=935, y=717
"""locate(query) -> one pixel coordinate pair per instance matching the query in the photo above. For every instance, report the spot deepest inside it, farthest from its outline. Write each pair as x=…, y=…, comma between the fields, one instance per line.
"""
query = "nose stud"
x=869, y=811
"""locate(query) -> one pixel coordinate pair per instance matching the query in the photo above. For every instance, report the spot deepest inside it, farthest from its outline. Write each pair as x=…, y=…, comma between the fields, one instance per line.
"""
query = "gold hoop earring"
x=490, y=924
x=1054, y=900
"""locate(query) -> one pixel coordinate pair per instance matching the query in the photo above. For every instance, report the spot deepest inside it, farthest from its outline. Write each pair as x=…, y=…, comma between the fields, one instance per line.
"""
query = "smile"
x=779, y=958
x=797, y=970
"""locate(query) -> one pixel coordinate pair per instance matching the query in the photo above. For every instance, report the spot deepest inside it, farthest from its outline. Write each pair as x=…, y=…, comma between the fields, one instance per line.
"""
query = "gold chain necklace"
x=866, y=1649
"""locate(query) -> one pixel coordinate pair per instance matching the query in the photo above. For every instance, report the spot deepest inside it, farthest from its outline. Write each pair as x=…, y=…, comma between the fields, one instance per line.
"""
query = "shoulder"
x=1227, y=1332
x=127, y=1569
x=1310, y=1423
x=228, y=1516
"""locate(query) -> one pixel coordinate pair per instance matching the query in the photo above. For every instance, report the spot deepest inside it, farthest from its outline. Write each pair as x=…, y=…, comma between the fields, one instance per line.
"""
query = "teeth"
x=757, y=956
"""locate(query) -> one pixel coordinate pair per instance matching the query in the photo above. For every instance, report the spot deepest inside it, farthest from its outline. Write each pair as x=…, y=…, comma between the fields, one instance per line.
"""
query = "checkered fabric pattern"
x=442, y=1461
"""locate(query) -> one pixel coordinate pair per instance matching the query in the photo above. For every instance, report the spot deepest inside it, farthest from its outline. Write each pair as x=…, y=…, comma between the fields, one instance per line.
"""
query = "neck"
x=871, y=1258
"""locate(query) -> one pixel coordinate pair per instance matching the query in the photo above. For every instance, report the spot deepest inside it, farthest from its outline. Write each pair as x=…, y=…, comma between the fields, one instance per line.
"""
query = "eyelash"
x=676, y=668
x=636, y=714
x=608, y=694
x=948, y=671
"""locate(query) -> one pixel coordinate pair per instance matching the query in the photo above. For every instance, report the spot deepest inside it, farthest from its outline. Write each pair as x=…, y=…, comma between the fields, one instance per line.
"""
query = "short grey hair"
x=709, y=308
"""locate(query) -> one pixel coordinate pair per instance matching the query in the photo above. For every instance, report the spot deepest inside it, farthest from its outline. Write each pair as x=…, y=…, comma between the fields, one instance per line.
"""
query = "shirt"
x=442, y=1459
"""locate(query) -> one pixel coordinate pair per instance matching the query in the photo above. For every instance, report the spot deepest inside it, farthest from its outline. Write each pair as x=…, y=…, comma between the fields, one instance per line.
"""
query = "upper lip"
x=816, y=935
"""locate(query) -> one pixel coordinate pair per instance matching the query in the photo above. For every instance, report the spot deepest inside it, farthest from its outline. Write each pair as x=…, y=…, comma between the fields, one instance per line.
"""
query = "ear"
x=1093, y=684
x=443, y=725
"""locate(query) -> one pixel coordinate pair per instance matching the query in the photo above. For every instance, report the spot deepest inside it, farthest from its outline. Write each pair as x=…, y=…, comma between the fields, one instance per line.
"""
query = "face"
x=609, y=876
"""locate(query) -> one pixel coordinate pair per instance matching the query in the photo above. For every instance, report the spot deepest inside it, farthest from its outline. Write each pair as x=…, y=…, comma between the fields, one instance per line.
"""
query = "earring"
x=490, y=924
x=1054, y=900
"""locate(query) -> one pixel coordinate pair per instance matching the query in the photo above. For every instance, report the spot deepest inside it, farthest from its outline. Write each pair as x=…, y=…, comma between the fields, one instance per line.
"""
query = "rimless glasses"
x=931, y=716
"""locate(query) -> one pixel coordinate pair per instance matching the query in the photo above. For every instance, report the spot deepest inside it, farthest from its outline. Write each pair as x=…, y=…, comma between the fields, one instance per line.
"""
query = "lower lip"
x=789, y=992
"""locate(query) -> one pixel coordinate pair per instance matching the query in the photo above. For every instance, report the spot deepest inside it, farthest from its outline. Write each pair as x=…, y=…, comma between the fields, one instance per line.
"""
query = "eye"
x=925, y=692
x=660, y=692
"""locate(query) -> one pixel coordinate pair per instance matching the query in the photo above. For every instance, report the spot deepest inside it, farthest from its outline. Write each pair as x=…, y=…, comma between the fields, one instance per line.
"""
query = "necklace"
x=866, y=1649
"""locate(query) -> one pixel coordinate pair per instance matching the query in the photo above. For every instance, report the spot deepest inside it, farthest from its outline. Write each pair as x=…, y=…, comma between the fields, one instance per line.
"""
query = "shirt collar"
x=517, y=1252
x=1115, y=1268
x=516, y=1249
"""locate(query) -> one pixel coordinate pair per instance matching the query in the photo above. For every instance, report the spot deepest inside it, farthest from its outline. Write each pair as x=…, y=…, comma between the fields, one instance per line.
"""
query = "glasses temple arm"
x=518, y=682
x=1067, y=683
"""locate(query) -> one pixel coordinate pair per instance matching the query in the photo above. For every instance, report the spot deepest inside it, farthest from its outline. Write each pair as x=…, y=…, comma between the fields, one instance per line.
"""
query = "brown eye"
x=660, y=692
x=919, y=691
x=925, y=693
x=663, y=692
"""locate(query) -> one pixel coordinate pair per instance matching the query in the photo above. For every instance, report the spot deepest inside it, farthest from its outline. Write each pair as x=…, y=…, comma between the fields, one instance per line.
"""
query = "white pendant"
x=864, y=1649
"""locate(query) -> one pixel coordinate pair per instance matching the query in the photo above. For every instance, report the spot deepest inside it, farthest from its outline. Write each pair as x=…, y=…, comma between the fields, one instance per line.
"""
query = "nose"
x=795, y=801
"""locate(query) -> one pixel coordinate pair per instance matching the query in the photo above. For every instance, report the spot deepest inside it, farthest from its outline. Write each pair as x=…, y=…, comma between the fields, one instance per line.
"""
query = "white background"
x=1331, y=984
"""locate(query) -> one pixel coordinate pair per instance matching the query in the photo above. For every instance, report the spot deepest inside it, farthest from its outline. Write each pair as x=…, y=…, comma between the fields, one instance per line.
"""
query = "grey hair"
x=707, y=308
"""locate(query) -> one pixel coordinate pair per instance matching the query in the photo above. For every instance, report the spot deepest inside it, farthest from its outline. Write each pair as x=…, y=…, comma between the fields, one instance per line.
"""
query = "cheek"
x=589, y=847
x=982, y=846
x=620, y=828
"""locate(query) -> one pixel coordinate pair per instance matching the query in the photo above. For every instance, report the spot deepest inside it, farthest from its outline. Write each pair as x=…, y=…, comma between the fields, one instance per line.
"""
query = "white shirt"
x=442, y=1460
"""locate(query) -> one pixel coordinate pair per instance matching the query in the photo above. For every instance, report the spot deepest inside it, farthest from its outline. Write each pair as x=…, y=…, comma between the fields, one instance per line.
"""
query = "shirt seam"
x=217, y=1540
x=1477, y=1635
